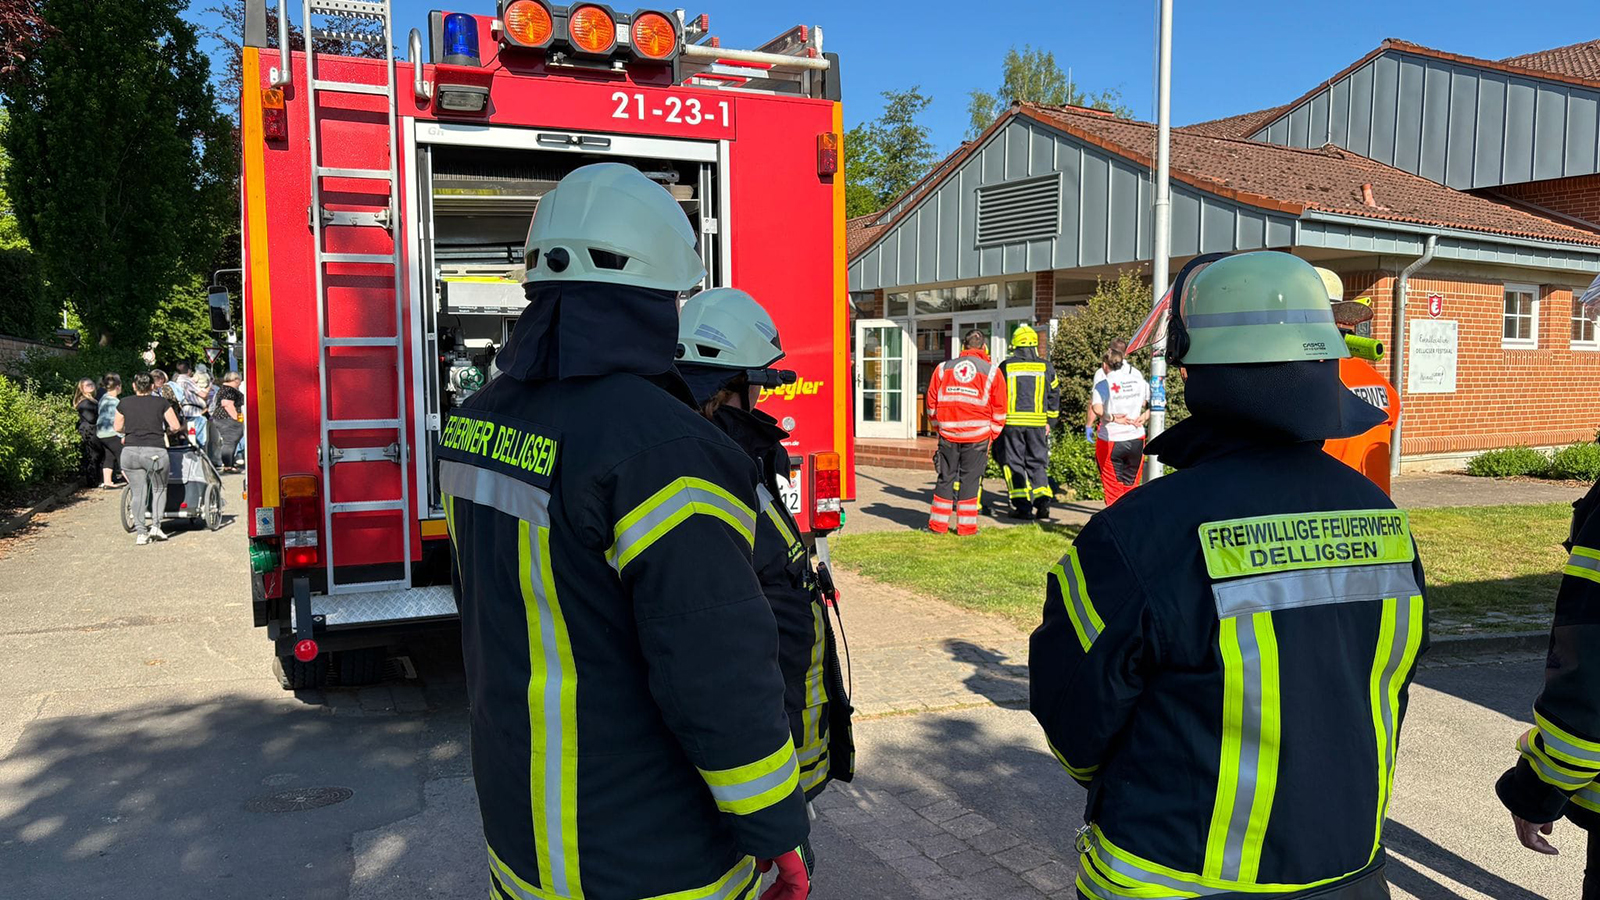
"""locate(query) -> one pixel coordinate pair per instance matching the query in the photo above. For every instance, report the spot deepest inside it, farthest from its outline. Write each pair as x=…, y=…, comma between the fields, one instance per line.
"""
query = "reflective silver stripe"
x=1244, y=793
x=745, y=790
x=685, y=496
x=1105, y=859
x=1260, y=317
x=1397, y=654
x=1577, y=757
x=1313, y=587
x=1080, y=606
x=763, y=496
x=487, y=487
x=555, y=736
x=1584, y=562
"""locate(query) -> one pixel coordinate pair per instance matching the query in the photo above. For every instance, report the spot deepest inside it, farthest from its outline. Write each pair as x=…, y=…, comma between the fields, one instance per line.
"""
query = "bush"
x=1580, y=462
x=1072, y=465
x=53, y=373
x=38, y=438
x=1511, y=461
x=1115, y=311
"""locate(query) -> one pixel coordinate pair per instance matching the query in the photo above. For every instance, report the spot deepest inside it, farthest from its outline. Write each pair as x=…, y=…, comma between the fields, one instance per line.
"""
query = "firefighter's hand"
x=1531, y=834
x=793, y=883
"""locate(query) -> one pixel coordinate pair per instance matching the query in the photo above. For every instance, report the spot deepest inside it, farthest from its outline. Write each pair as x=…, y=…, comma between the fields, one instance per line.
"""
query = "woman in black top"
x=88, y=407
x=144, y=421
x=227, y=423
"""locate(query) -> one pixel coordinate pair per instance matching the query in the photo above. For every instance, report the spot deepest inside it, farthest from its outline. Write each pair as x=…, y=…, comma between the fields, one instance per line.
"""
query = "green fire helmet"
x=1024, y=336
x=725, y=328
x=608, y=223
x=1261, y=307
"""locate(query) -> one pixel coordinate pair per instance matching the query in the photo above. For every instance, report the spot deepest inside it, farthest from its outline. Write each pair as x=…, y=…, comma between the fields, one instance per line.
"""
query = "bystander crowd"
x=106, y=430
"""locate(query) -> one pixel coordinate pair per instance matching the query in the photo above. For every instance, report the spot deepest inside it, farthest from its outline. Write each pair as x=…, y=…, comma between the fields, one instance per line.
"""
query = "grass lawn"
x=1488, y=567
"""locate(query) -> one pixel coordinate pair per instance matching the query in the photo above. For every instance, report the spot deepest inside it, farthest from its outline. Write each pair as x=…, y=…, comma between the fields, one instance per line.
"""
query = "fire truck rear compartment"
x=479, y=202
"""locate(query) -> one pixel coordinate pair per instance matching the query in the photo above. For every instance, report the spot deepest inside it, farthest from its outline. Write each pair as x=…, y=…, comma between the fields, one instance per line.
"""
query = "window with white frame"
x=1521, y=316
x=1583, y=325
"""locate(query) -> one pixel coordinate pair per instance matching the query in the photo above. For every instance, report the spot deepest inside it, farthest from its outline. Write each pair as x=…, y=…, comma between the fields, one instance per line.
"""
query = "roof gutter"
x=1482, y=237
x=1397, y=362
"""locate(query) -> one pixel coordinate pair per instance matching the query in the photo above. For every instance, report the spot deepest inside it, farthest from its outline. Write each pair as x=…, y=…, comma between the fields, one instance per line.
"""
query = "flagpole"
x=1163, y=224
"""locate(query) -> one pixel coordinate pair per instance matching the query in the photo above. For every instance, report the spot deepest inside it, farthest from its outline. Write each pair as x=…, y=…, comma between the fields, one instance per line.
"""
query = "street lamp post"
x=1163, y=224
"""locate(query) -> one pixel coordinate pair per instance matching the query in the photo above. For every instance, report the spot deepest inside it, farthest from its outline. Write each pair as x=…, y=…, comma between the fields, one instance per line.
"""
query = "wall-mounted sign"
x=1431, y=356
x=1435, y=306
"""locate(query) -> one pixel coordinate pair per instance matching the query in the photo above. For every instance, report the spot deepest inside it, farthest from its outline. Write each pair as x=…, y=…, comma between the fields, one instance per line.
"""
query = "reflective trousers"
x=1121, y=466
x=1024, y=455
x=958, y=470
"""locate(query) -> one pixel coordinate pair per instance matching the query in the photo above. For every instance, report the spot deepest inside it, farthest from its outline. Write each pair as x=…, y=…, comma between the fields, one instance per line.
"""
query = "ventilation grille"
x=1019, y=211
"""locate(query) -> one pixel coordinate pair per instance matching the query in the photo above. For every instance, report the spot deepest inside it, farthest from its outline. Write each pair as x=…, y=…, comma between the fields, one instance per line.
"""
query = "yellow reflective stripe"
x=814, y=749
x=1232, y=725
x=789, y=538
x=1096, y=883
x=1588, y=797
x=1086, y=621
x=1583, y=563
x=669, y=507
x=1271, y=730
x=1078, y=772
x=552, y=717
x=1548, y=770
x=755, y=786
x=1399, y=638
x=1565, y=746
x=1262, y=544
x=1136, y=870
x=731, y=886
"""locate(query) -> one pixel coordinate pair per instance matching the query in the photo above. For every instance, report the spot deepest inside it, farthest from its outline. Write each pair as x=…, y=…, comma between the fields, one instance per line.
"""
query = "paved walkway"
x=895, y=499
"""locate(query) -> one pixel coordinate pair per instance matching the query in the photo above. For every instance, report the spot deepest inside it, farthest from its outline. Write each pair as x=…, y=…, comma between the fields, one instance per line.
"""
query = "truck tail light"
x=654, y=36
x=300, y=521
x=827, y=492
x=528, y=23
x=592, y=29
x=827, y=153
x=274, y=118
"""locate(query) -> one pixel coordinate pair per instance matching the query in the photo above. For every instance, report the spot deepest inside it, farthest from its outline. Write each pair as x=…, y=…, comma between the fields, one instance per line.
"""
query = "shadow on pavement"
x=914, y=519
x=230, y=796
x=1402, y=840
x=994, y=677
x=1507, y=688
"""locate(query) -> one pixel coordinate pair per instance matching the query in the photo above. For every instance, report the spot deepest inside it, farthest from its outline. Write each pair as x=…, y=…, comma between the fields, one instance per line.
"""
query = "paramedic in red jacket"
x=967, y=405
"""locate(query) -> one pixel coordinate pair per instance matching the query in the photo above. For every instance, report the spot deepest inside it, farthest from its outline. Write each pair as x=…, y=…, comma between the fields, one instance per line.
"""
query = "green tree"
x=123, y=169
x=1032, y=76
x=1115, y=311
x=181, y=327
x=885, y=157
x=25, y=311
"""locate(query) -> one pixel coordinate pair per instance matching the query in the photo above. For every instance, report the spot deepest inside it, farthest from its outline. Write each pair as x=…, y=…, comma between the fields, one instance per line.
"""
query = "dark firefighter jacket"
x=1224, y=662
x=812, y=686
x=628, y=736
x=1033, y=394
x=1560, y=755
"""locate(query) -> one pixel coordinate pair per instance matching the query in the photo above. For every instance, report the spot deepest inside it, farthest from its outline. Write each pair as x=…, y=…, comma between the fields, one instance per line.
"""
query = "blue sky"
x=1228, y=57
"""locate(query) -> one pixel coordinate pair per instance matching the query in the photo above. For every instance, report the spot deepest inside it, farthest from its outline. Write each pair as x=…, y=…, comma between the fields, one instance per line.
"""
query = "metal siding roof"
x=1450, y=120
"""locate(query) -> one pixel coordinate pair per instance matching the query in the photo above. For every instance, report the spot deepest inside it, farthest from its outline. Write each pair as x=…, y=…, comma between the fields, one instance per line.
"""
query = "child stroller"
x=194, y=489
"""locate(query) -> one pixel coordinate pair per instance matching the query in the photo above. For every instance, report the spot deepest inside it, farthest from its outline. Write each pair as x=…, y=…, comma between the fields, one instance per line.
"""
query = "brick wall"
x=1044, y=296
x=1541, y=396
x=15, y=348
x=1578, y=196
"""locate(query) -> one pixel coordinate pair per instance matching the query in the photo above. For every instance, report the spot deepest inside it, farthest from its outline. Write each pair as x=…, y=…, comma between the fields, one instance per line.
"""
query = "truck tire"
x=295, y=675
x=362, y=666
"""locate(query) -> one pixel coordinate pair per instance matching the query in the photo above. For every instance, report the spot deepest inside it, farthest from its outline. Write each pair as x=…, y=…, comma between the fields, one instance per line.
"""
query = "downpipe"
x=1397, y=363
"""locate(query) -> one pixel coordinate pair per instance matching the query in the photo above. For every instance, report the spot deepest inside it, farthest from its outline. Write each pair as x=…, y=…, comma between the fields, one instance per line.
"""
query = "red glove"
x=793, y=882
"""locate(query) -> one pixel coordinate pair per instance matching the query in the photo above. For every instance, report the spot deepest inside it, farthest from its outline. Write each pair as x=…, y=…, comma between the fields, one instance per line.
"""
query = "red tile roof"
x=1242, y=125
x=1266, y=176
x=1575, y=60
x=1327, y=179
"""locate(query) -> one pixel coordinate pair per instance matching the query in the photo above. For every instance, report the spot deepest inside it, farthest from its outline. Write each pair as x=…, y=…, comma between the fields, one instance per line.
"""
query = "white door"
x=885, y=396
x=984, y=322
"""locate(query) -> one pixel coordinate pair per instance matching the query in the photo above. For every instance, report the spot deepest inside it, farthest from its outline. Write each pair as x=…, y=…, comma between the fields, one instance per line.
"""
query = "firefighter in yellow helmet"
x=628, y=734
x=1033, y=403
x=1226, y=653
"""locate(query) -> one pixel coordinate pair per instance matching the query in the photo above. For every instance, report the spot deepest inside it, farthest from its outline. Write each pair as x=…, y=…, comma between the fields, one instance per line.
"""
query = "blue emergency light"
x=461, y=40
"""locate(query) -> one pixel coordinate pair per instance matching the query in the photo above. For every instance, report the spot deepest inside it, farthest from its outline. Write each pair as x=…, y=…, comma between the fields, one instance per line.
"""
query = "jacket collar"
x=1203, y=437
x=977, y=351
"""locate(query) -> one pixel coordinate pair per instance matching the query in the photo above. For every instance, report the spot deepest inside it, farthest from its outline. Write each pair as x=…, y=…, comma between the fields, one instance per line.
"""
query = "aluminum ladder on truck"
x=330, y=454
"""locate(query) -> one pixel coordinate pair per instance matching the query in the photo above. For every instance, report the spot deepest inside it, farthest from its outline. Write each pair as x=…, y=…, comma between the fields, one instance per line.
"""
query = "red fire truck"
x=385, y=207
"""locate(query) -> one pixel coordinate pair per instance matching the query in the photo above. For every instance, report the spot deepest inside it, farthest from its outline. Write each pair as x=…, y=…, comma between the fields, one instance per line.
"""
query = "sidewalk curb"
x=17, y=522
x=1474, y=644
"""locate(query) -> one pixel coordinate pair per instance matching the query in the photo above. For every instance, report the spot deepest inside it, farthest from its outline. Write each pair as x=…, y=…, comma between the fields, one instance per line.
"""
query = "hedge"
x=1579, y=462
x=38, y=438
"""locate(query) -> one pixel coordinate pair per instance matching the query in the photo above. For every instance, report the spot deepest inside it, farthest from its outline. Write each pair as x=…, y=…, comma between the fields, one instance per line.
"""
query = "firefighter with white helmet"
x=728, y=352
x=1226, y=653
x=602, y=533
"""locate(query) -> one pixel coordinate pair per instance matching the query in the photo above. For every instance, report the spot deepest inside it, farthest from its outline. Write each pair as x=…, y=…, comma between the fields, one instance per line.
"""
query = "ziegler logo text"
x=802, y=387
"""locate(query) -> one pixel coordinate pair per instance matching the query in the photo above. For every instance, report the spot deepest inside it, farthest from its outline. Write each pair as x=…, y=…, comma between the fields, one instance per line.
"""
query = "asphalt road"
x=146, y=751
